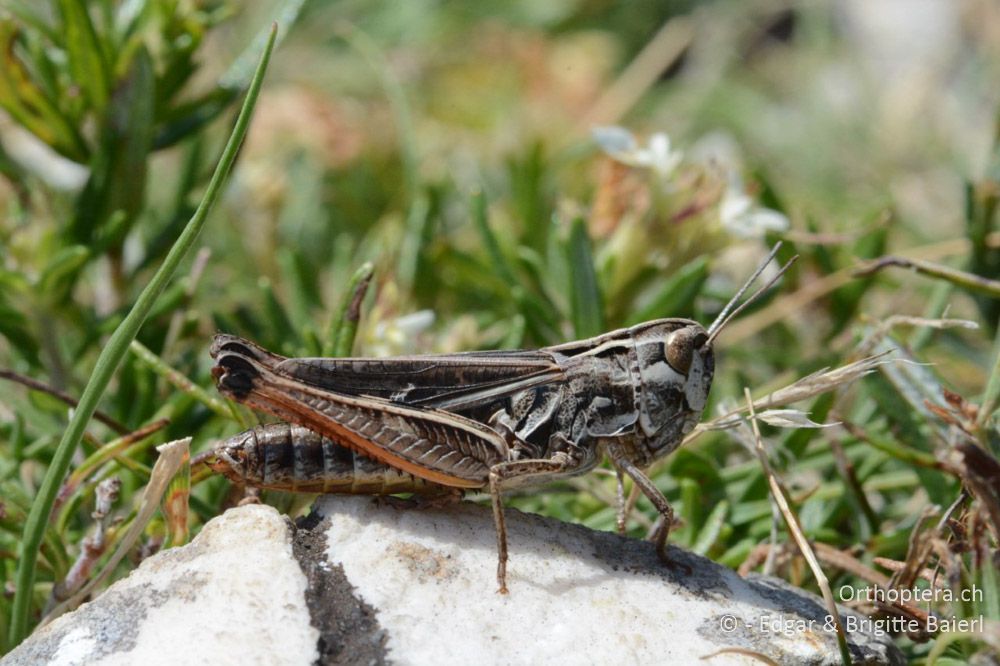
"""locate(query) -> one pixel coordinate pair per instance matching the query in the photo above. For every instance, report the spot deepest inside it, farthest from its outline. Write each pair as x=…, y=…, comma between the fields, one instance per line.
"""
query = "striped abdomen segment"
x=280, y=456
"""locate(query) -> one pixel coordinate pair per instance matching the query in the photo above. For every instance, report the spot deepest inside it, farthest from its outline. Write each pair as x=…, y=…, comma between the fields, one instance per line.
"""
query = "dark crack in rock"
x=349, y=631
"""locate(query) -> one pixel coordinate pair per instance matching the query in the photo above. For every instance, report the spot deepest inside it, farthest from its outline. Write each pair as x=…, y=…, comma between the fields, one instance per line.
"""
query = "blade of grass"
x=110, y=358
x=275, y=313
x=587, y=308
x=85, y=53
x=713, y=527
x=480, y=216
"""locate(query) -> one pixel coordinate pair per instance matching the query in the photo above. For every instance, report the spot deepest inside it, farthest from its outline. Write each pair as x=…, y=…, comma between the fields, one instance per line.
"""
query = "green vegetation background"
x=445, y=149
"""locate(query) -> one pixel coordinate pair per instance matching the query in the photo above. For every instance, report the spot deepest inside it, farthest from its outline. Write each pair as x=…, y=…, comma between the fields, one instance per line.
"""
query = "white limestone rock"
x=417, y=586
x=235, y=594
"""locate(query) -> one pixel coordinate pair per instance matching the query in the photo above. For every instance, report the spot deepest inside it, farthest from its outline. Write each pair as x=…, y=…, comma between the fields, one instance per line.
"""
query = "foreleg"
x=648, y=489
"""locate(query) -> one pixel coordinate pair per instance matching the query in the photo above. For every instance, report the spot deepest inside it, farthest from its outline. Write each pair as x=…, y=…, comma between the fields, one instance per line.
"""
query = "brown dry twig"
x=93, y=546
x=969, y=281
x=36, y=385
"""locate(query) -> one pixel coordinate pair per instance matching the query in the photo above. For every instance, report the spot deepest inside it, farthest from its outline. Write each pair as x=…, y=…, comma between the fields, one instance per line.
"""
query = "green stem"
x=110, y=358
x=160, y=367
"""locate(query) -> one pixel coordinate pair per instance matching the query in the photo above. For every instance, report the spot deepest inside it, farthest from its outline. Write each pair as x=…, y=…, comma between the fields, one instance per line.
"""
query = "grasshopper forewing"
x=477, y=420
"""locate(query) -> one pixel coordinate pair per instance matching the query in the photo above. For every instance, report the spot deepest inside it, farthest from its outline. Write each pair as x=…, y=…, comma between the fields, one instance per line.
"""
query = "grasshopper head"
x=676, y=365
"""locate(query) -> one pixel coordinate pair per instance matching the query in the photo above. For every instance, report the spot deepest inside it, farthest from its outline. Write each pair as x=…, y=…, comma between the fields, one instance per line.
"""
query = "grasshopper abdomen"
x=281, y=456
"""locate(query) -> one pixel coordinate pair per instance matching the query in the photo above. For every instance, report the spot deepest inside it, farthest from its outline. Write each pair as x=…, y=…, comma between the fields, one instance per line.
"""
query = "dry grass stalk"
x=762, y=658
x=173, y=456
x=884, y=327
x=802, y=389
x=795, y=529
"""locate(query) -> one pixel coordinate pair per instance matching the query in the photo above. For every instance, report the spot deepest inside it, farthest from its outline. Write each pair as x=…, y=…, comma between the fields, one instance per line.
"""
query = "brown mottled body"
x=490, y=420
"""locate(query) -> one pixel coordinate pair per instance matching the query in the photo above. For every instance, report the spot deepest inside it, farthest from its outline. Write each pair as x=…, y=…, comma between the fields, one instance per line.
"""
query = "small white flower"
x=415, y=323
x=614, y=140
x=396, y=336
x=742, y=218
x=620, y=145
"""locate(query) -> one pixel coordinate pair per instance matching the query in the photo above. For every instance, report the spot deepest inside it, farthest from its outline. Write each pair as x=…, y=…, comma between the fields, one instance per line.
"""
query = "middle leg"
x=505, y=472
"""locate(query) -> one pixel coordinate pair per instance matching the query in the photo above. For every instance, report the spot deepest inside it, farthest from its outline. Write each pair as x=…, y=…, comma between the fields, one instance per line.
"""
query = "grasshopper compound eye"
x=683, y=344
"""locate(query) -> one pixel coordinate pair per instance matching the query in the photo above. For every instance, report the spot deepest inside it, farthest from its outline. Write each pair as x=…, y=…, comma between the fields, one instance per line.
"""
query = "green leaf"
x=586, y=304
x=402, y=116
x=846, y=299
x=713, y=528
x=301, y=288
x=187, y=118
x=991, y=398
x=117, y=182
x=690, y=511
x=529, y=190
x=30, y=106
x=130, y=123
x=31, y=17
x=60, y=272
x=14, y=326
x=276, y=316
x=85, y=54
x=676, y=297
x=982, y=201
x=130, y=15
x=420, y=224
x=480, y=217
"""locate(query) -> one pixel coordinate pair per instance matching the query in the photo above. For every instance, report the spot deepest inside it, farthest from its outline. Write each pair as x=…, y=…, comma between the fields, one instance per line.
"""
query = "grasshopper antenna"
x=731, y=310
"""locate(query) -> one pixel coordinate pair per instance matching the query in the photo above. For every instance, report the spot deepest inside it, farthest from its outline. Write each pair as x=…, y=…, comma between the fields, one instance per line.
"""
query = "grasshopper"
x=489, y=420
